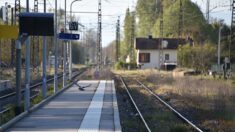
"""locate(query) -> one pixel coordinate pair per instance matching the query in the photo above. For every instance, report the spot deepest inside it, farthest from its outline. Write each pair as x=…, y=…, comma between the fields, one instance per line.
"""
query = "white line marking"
x=91, y=120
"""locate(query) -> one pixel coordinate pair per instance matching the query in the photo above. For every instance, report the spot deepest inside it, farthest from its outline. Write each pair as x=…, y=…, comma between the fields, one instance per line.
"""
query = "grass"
x=180, y=128
x=8, y=115
x=207, y=98
x=157, y=116
x=36, y=100
x=129, y=123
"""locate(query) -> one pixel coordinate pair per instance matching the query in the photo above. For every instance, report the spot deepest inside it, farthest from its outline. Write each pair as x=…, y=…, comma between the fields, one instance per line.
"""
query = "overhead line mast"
x=232, y=42
x=99, y=38
x=18, y=64
x=208, y=11
x=132, y=37
x=118, y=40
x=161, y=37
x=180, y=30
x=17, y=10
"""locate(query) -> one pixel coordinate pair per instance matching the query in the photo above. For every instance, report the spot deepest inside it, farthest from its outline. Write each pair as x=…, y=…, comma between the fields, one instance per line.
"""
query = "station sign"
x=68, y=36
x=73, y=26
x=36, y=24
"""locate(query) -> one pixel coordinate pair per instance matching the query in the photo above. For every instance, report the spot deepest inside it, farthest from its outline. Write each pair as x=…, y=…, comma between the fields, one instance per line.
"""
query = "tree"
x=147, y=12
x=91, y=41
x=110, y=52
x=198, y=57
x=127, y=36
x=193, y=21
x=127, y=46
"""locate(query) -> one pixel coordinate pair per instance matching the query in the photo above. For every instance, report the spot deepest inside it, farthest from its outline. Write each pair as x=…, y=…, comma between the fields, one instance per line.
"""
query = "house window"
x=167, y=57
x=144, y=57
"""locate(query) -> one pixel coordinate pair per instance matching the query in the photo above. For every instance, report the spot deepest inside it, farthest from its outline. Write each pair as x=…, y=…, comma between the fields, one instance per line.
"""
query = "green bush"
x=180, y=128
x=123, y=65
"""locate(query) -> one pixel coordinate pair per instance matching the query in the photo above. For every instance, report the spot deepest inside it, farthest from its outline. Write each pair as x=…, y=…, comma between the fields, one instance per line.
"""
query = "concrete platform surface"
x=93, y=109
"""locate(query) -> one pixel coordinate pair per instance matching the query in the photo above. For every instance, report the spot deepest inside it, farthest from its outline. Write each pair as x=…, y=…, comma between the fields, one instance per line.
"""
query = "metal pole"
x=219, y=51
x=64, y=57
x=18, y=77
x=56, y=51
x=27, y=76
x=99, y=43
x=27, y=70
x=12, y=41
x=0, y=59
x=70, y=44
x=44, y=67
x=18, y=64
x=27, y=5
x=208, y=11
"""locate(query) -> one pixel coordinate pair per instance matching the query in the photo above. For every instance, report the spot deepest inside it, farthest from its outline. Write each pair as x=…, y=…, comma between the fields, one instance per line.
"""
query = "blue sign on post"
x=68, y=36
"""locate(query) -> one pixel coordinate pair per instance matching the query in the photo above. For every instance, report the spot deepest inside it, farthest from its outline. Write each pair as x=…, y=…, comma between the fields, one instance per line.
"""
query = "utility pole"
x=17, y=10
x=118, y=39
x=208, y=11
x=44, y=62
x=35, y=5
x=18, y=63
x=161, y=37
x=56, y=51
x=70, y=44
x=12, y=41
x=6, y=8
x=219, y=50
x=64, y=46
x=27, y=69
x=180, y=30
x=99, y=40
x=37, y=41
x=132, y=37
x=232, y=34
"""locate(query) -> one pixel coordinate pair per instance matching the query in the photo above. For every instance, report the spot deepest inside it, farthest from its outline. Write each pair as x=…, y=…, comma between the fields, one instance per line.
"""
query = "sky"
x=111, y=9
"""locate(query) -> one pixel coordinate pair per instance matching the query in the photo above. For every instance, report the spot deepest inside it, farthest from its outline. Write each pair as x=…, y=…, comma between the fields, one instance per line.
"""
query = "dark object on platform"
x=81, y=87
x=36, y=24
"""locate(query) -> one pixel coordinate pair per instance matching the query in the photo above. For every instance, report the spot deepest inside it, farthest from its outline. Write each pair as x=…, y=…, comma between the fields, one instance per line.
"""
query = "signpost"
x=68, y=36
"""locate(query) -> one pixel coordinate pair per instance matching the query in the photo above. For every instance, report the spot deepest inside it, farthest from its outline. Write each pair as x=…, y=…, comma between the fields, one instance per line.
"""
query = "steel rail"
x=31, y=87
x=33, y=96
x=170, y=107
x=136, y=107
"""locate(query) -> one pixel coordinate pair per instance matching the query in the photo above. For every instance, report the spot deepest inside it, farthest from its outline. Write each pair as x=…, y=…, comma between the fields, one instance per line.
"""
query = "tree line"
x=146, y=18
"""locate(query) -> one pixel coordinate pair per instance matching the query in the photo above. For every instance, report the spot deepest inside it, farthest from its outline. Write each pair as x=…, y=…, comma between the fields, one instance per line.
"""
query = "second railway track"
x=154, y=112
x=9, y=98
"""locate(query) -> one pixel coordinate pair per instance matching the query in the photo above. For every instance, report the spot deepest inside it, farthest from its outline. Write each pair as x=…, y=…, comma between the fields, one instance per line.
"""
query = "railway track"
x=34, y=94
x=51, y=79
x=9, y=98
x=155, y=98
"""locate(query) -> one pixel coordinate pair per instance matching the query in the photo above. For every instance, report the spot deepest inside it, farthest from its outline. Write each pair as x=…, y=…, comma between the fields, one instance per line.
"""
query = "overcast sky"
x=111, y=9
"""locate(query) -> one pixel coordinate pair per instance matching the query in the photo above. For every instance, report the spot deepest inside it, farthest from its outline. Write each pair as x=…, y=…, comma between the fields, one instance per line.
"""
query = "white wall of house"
x=154, y=58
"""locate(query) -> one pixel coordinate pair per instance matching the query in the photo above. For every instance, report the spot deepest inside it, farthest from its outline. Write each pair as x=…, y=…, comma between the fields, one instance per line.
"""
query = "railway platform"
x=90, y=106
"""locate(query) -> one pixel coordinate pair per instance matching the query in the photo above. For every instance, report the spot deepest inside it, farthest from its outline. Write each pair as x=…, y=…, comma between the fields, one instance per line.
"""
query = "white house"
x=149, y=52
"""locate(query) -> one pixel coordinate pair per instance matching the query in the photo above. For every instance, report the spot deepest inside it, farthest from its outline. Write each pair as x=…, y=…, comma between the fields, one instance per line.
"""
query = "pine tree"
x=127, y=36
x=147, y=12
